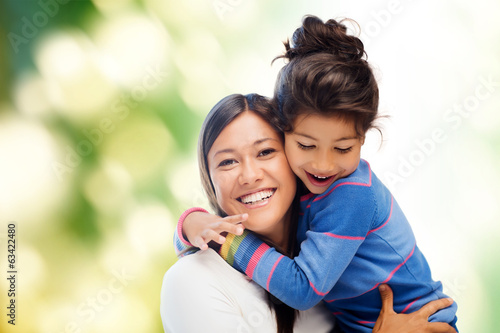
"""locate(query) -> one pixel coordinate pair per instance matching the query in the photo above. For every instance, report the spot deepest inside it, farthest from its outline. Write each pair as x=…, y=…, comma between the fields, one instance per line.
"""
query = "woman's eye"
x=343, y=150
x=226, y=163
x=304, y=147
x=266, y=152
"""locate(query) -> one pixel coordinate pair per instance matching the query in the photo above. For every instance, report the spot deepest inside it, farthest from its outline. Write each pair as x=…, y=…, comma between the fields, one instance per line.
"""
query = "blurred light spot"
x=31, y=95
x=108, y=187
x=125, y=313
x=29, y=190
x=149, y=229
x=132, y=43
x=256, y=72
x=184, y=181
x=34, y=271
x=197, y=54
x=207, y=94
x=140, y=144
x=77, y=85
x=118, y=252
x=198, y=57
x=486, y=119
x=110, y=6
x=54, y=314
x=181, y=13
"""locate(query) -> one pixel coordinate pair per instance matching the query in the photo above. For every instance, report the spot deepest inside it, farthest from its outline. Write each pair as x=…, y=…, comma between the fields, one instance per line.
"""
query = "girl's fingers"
x=211, y=235
x=200, y=243
x=432, y=307
x=236, y=229
x=234, y=219
x=221, y=226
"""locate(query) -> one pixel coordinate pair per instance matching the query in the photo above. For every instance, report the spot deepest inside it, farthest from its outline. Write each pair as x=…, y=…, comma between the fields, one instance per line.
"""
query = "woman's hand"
x=200, y=228
x=416, y=322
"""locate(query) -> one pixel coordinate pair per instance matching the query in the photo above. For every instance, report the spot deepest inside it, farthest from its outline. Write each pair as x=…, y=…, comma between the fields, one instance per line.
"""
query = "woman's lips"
x=257, y=199
x=320, y=181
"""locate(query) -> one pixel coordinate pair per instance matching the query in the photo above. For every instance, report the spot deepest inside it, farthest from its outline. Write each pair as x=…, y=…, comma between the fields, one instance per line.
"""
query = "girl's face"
x=322, y=149
x=250, y=174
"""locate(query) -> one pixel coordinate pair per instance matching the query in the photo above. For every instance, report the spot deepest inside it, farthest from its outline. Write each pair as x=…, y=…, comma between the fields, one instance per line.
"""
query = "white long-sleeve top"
x=202, y=293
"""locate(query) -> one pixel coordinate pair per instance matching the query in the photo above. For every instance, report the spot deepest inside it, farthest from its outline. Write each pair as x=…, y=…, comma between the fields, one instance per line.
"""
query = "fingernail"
x=382, y=287
x=244, y=216
x=239, y=231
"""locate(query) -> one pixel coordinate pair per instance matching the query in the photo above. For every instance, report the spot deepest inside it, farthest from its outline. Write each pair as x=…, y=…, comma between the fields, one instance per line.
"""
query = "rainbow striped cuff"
x=243, y=252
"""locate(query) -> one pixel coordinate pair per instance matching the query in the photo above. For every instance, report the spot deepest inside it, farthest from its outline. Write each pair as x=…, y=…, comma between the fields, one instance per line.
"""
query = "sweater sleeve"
x=338, y=226
x=180, y=243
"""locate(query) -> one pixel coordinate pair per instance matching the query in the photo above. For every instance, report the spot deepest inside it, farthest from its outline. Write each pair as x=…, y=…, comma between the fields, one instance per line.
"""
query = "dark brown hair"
x=221, y=115
x=326, y=73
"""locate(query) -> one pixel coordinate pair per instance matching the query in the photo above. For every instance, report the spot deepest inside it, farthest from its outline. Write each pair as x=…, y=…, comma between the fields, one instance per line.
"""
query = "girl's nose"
x=323, y=163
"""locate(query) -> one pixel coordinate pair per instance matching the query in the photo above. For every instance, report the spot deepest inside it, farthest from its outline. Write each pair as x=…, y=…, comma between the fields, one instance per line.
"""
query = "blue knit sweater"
x=353, y=237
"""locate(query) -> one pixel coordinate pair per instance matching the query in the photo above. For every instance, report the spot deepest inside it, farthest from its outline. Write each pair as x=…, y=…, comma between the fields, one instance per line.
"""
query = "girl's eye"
x=343, y=150
x=266, y=152
x=304, y=147
x=226, y=163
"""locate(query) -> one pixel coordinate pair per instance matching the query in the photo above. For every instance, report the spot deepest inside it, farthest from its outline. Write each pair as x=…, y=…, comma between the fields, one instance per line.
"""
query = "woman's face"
x=250, y=174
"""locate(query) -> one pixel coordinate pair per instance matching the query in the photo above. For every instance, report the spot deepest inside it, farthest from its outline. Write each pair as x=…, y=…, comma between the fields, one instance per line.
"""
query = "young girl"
x=353, y=235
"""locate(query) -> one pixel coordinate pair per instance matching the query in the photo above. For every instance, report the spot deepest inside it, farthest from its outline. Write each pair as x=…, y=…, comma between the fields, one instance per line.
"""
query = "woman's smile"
x=250, y=174
x=257, y=199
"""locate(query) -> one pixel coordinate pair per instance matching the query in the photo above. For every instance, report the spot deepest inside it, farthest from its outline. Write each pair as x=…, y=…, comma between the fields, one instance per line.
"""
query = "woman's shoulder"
x=202, y=263
x=204, y=269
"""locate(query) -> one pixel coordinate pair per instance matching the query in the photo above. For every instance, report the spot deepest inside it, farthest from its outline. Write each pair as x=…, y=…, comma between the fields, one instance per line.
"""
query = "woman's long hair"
x=221, y=115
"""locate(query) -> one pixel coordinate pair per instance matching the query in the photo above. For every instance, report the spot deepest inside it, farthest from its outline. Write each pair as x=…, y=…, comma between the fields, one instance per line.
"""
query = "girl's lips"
x=320, y=182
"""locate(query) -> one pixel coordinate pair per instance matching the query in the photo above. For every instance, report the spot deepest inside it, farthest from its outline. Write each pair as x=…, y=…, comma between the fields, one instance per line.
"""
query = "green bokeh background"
x=101, y=102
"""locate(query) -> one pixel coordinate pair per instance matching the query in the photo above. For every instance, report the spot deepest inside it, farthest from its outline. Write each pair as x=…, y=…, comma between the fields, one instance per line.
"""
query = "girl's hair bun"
x=316, y=36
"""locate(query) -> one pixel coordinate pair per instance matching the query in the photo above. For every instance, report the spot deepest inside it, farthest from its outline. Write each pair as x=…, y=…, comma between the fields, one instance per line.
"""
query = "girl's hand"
x=200, y=228
x=392, y=322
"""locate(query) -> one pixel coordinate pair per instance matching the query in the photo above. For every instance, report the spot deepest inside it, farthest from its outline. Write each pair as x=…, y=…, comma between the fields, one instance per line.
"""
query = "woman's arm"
x=416, y=322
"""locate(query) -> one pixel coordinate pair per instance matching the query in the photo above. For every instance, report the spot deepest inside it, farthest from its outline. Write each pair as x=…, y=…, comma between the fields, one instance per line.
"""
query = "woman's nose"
x=250, y=173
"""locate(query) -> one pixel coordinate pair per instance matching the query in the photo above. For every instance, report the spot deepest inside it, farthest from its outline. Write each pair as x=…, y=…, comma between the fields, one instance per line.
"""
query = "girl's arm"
x=416, y=322
x=335, y=233
x=197, y=227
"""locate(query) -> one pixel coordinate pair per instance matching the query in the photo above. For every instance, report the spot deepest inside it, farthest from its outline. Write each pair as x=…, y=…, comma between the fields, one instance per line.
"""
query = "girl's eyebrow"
x=305, y=135
x=345, y=138
x=231, y=150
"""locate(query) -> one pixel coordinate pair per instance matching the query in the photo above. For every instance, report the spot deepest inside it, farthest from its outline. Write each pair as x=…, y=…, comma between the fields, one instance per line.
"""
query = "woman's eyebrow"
x=227, y=150
x=258, y=142
x=232, y=150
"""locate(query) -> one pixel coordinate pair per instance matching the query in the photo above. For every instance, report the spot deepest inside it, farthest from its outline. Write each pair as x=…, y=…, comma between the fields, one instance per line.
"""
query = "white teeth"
x=256, y=197
x=320, y=177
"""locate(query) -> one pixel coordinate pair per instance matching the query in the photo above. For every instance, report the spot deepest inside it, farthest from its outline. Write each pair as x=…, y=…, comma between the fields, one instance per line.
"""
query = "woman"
x=242, y=164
